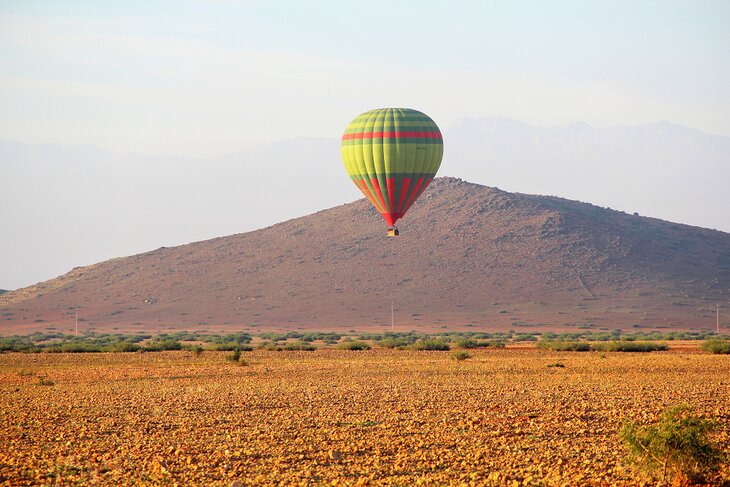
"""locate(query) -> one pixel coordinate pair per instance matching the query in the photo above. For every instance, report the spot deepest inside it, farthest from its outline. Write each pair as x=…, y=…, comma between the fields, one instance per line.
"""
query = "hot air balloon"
x=392, y=154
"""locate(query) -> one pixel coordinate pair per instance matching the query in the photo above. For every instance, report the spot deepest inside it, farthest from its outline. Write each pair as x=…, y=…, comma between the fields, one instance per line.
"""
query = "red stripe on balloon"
x=403, y=191
x=414, y=194
x=390, y=218
x=366, y=191
x=378, y=193
x=391, y=135
x=423, y=188
x=390, y=183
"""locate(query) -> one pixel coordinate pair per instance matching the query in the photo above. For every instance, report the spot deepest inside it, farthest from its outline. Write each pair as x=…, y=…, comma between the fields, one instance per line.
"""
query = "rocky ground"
x=378, y=417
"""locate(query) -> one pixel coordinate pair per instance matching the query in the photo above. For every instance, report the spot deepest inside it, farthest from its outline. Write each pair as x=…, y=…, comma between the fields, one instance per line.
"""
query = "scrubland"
x=343, y=417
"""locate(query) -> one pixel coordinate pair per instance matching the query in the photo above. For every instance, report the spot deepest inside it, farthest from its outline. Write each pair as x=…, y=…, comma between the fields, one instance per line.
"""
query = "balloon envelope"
x=392, y=154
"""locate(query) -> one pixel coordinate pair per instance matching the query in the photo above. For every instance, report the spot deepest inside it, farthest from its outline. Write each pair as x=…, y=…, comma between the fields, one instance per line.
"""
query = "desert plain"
x=336, y=417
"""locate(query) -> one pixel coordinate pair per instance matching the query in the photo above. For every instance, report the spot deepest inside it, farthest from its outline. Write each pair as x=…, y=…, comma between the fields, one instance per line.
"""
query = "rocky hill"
x=468, y=256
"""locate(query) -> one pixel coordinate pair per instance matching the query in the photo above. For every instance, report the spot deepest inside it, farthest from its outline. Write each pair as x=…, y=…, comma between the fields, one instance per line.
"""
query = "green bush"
x=231, y=346
x=124, y=346
x=524, y=337
x=465, y=343
x=559, y=365
x=158, y=346
x=624, y=346
x=354, y=345
x=430, y=344
x=73, y=347
x=299, y=346
x=678, y=445
x=563, y=346
x=716, y=345
x=392, y=342
x=235, y=356
x=460, y=355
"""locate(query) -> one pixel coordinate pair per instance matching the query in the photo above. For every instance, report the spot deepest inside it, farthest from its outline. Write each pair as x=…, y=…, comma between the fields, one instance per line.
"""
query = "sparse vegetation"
x=559, y=365
x=678, y=444
x=716, y=345
x=463, y=342
x=460, y=355
x=430, y=344
x=524, y=337
x=625, y=346
x=392, y=342
x=563, y=346
x=235, y=356
x=299, y=346
x=353, y=345
x=616, y=340
x=166, y=344
x=429, y=398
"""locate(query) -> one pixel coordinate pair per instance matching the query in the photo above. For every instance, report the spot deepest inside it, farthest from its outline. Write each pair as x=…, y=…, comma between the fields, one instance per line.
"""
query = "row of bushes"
x=614, y=346
x=92, y=342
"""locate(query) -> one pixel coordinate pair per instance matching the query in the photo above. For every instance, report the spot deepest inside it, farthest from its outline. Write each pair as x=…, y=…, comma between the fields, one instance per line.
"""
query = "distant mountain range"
x=70, y=206
x=660, y=169
x=469, y=257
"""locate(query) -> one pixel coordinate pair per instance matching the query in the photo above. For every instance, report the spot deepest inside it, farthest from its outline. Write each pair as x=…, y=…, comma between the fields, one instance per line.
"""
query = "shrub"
x=393, y=342
x=430, y=344
x=354, y=345
x=231, y=346
x=624, y=346
x=43, y=381
x=161, y=345
x=299, y=346
x=73, y=347
x=677, y=444
x=460, y=355
x=124, y=346
x=716, y=345
x=562, y=346
x=197, y=350
x=235, y=356
x=524, y=337
x=556, y=364
x=465, y=343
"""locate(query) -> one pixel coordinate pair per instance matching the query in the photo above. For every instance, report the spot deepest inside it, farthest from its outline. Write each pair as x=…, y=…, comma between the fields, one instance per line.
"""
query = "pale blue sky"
x=206, y=78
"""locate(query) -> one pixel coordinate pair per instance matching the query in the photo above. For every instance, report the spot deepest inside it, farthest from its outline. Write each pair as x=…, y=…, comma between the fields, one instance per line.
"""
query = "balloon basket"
x=393, y=232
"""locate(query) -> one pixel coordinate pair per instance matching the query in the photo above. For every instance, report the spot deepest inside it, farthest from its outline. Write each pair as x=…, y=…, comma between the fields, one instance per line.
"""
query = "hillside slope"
x=467, y=255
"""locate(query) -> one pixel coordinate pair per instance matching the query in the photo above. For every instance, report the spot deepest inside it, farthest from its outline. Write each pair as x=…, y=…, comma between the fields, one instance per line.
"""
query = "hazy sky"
x=208, y=78
x=205, y=78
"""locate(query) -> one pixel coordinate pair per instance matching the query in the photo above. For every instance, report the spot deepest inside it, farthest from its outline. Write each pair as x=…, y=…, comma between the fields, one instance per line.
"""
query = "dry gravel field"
x=331, y=417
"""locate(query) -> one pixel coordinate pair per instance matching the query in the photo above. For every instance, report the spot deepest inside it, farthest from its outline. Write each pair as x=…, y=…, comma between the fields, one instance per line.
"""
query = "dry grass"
x=382, y=417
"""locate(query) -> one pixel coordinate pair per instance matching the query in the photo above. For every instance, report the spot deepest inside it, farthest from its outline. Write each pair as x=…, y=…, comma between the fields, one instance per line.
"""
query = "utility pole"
x=392, y=322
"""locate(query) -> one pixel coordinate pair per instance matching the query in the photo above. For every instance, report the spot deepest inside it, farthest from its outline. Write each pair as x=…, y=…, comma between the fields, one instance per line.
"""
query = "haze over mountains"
x=469, y=256
x=70, y=206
